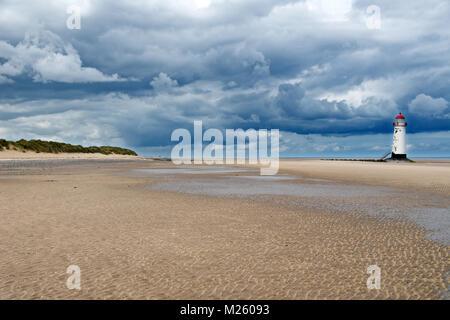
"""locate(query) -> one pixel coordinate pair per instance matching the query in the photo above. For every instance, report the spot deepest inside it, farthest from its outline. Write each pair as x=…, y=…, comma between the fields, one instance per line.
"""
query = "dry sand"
x=131, y=241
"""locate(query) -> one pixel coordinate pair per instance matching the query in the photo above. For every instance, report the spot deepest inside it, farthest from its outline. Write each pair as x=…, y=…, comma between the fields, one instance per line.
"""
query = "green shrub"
x=3, y=144
x=59, y=147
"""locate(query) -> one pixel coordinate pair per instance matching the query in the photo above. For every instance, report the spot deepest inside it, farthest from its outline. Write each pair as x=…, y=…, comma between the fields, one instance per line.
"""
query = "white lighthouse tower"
x=399, y=143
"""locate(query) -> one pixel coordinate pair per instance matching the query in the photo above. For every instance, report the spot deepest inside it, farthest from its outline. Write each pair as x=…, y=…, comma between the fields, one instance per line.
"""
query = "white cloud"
x=4, y=79
x=163, y=82
x=330, y=10
x=202, y=3
x=45, y=57
x=428, y=106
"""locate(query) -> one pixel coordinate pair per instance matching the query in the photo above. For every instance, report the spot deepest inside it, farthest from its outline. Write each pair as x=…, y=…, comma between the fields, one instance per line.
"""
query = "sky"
x=330, y=75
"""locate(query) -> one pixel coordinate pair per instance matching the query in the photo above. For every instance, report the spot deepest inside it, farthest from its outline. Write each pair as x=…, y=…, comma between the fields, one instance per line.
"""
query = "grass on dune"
x=59, y=147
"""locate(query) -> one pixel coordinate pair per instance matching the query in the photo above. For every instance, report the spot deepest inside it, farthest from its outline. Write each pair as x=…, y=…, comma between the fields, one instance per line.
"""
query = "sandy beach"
x=146, y=229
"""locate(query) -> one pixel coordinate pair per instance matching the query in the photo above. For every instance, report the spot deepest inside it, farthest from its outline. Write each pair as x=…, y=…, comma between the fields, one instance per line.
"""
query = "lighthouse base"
x=400, y=157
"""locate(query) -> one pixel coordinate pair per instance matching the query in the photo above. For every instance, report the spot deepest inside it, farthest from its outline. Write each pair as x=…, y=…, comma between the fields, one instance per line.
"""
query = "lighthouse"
x=399, y=143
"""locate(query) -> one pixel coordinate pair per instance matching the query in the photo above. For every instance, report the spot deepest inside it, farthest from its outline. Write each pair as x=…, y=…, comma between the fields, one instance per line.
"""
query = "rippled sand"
x=133, y=238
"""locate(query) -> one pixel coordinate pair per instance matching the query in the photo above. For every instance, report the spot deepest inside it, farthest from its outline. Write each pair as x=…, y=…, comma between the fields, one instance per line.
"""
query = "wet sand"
x=141, y=230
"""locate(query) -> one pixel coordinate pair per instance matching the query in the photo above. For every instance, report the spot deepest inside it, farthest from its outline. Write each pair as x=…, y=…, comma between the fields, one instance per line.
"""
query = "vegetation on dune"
x=59, y=147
